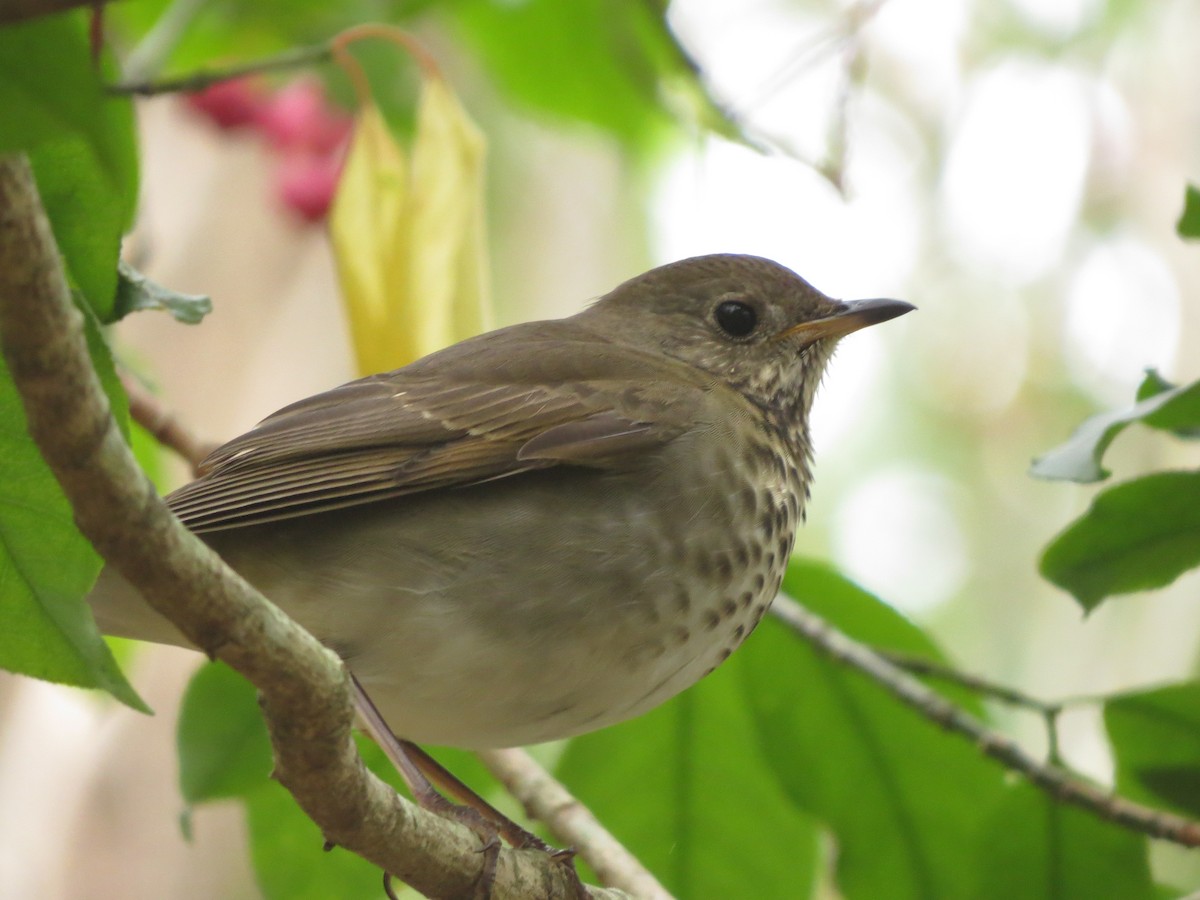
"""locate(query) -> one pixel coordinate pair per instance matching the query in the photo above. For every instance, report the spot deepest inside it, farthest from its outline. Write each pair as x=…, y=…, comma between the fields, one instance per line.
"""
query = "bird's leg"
x=421, y=771
x=513, y=833
x=438, y=774
x=427, y=797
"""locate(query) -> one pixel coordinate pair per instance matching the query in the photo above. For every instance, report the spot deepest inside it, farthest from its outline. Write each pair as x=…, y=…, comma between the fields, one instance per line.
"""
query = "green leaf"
x=1141, y=534
x=222, y=741
x=904, y=800
x=1176, y=409
x=1189, y=220
x=287, y=848
x=80, y=141
x=1176, y=418
x=88, y=215
x=1155, y=739
x=1038, y=849
x=46, y=565
x=588, y=60
x=224, y=752
x=136, y=292
x=686, y=788
x=290, y=862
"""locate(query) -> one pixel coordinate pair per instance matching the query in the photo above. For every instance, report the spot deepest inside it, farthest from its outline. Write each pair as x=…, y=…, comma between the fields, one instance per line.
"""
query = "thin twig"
x=1048, y=711
x=919, y=665
x=164, y=426
x=571, y=823
x=1054, y=780
x=198, y=81
x=304, y=687
x=13, y=11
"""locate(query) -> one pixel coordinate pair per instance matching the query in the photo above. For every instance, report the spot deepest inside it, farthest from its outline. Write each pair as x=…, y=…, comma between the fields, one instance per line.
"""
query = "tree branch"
x=1049, y=712
x=304, y=687
x=1057, y=782
x=571, y=823
x=12, y=11
x=197, y=81
x=164, y=426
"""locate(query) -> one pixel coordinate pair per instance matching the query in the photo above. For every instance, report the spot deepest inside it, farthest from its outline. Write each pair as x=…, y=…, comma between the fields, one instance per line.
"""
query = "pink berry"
x=299, y=116
x=305, y=182
x=229, y=104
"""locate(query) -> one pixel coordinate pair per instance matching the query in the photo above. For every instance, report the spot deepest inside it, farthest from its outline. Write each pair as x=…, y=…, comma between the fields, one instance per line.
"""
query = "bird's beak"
x=852, y=316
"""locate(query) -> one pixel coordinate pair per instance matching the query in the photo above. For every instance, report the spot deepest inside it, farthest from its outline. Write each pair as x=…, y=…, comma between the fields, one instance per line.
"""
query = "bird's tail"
x=120, y=611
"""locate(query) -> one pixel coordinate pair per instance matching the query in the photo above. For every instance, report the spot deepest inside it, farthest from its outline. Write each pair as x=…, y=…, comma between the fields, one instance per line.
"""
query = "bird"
x=545, y=529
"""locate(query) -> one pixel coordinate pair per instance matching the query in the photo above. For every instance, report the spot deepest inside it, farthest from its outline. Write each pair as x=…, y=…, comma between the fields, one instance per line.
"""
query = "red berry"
x=230, y=104
x=300, y=117
x=306, y=183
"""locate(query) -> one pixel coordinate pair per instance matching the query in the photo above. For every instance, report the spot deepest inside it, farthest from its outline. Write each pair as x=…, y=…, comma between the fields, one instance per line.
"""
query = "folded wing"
x=469, y=415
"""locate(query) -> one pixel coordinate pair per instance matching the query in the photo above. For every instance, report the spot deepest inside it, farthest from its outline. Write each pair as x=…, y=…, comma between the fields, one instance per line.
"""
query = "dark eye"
x=736, y=319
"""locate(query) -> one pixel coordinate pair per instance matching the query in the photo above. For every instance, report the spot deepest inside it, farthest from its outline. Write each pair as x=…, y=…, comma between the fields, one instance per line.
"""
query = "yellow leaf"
x=409, y=234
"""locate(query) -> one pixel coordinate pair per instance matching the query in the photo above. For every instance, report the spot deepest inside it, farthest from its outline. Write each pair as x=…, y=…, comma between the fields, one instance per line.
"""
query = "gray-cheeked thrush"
x=545, y=529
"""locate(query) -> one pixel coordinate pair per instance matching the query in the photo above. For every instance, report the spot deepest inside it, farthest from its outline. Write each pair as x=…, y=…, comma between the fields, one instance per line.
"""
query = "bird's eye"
x=736, y=319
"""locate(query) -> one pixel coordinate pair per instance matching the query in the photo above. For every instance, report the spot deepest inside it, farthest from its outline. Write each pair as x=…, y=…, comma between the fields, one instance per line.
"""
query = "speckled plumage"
x=546, y=529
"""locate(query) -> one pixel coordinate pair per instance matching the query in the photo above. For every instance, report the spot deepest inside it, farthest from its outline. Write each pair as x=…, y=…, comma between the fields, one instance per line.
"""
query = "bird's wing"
x=454, y=422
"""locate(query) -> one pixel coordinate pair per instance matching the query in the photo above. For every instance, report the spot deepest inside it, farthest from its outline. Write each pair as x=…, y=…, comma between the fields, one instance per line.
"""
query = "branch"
x=164, y=426
x=304, y=687
x=917, y=665
x=198, y=81
x=571, y=822
x=13, y=11
x=1054, y=780
x=1049, y=712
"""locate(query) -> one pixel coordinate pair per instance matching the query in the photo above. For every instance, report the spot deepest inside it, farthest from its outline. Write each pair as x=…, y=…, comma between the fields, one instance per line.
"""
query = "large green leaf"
x=606, y=64
x=686, y=788
x=1160, y=405
x=1138, y=535
x=1155, y=738
x=289, y=856
x=904, y=800
x=224, y=752
x=222, y=742
x=80, y=141
x=46, y=565
x=1035, y=848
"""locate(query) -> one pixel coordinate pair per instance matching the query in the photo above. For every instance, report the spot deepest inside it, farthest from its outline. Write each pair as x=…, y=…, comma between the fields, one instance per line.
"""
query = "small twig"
x=1048, y=711
x=571, y=823
x=1054, y=780
x=918, y=665
x=198, y=81
x=164, y=426
x=335, y=48
x=13, y=11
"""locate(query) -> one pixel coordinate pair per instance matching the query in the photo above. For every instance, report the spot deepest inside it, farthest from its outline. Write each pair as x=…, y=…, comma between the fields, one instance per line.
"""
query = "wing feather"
x=467, y=415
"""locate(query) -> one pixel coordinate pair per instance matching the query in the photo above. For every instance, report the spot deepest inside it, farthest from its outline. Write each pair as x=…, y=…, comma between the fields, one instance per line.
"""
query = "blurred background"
x=1013, y=167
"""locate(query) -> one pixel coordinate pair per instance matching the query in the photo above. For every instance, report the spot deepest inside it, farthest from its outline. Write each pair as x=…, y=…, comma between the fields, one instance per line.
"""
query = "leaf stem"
x=199, y=80
x=1052, y=778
